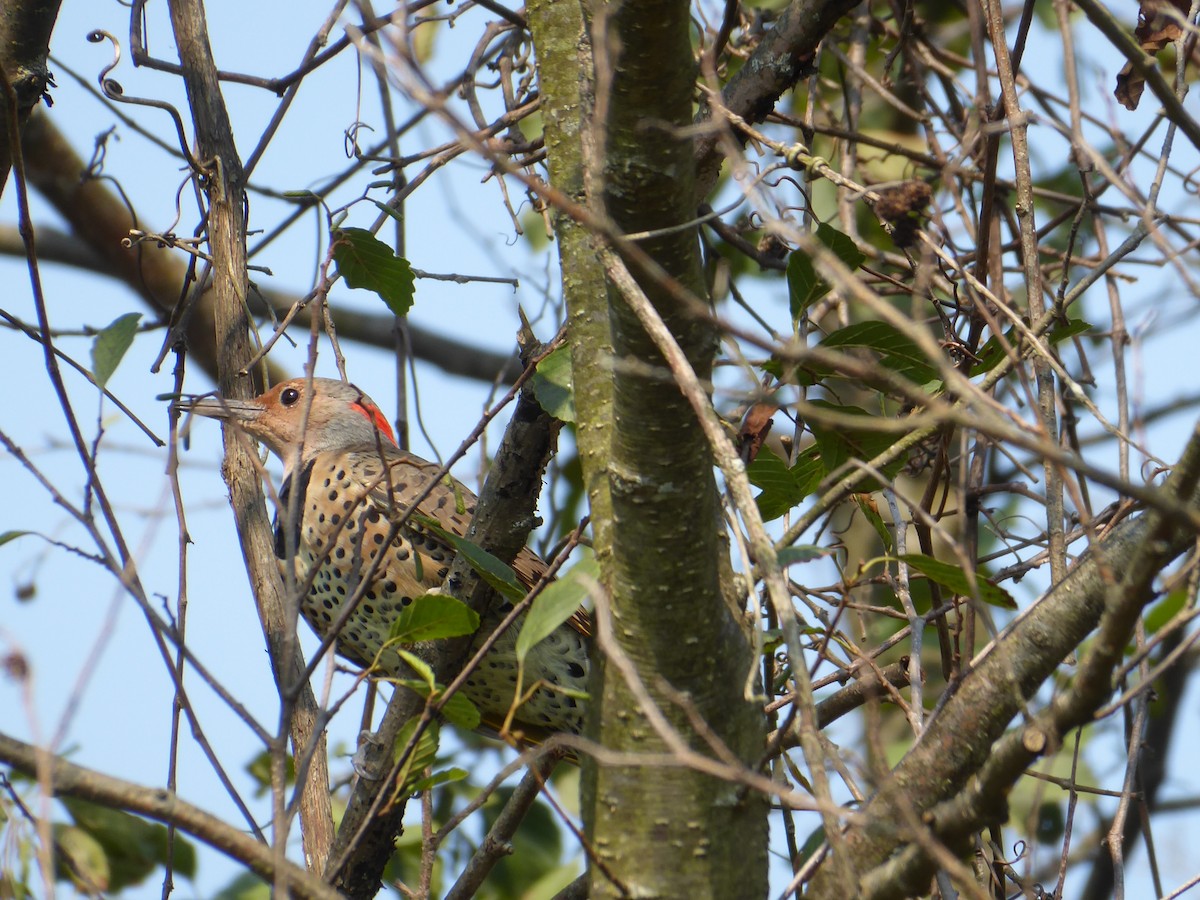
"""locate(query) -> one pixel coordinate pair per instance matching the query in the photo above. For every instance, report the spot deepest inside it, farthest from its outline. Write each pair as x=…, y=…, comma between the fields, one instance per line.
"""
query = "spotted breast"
x=343, y=536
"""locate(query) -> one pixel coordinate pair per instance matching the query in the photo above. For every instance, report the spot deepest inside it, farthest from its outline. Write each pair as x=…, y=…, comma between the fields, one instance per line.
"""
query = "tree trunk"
x=659, y=831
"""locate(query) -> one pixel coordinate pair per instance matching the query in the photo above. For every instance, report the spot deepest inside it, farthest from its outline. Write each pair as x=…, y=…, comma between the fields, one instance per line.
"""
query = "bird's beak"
x=240, y=412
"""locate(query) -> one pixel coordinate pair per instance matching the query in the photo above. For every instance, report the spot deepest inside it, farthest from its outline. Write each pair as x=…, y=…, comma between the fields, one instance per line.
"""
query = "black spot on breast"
x=575, y=670
x=285, y=492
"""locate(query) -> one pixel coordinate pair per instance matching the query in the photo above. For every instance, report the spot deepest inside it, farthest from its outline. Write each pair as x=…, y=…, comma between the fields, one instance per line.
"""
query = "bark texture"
x=664, y=832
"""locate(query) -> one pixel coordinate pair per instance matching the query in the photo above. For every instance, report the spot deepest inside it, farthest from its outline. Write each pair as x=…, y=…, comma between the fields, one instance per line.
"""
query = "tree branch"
x=784, y=55
x=497, y=844
x=227, y=245
x=662, y=564
x=1109, y=586
x=101, y=220
x=69, y=780
x=504, y=516
x=25, y=29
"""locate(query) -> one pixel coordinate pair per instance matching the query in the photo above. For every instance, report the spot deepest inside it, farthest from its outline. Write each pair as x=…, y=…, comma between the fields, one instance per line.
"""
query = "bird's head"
x=298, y=419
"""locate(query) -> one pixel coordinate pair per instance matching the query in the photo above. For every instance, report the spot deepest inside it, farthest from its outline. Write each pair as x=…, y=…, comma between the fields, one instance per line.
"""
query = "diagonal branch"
x=1109, y=587
x=100, y=221
x=504, y=515
x=782, y=58
x=69, y=780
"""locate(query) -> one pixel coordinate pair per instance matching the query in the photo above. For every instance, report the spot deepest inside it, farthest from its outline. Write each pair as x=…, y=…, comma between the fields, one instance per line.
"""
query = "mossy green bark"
x=655, y=831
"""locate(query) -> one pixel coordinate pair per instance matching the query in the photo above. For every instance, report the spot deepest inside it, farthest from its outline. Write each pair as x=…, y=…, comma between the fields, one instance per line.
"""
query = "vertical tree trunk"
x=662, y=831
x=227, y=244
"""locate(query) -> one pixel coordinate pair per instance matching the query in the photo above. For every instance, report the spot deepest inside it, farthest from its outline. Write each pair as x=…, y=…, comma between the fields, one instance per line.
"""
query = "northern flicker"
x=351, y=482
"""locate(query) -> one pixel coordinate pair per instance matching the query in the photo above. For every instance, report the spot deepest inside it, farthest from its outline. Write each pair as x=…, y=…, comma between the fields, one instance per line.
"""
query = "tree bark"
x=25, y=29
x=664, y=832
x=961, y=770
x=226, y=226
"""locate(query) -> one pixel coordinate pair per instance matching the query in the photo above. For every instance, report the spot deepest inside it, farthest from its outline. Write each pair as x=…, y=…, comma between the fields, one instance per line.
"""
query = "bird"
x=345, y=484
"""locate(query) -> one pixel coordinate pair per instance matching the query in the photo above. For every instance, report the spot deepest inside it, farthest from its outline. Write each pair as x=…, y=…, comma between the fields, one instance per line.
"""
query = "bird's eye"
x=289, y=396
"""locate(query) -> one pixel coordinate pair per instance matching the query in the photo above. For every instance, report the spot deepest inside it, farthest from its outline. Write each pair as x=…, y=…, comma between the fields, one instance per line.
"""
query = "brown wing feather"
x=452, y=505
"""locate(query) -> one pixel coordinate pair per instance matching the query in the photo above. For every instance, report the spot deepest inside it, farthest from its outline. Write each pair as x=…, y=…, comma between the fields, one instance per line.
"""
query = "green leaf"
x=443, y=777
x=801, y=553
x=421, y=758
x=7, y=536
x=895, y=351
x=490, y=569
x=954, y=578
x=992, y=352
x=555, y=605
x=133, y=846
x=552, y=385
x=85, y=864
x=814, y=842
x=111, y=344
x=432, y=617
x=460, y=711
x=246, y=886
x=537, y=849
x=259, y=768
x=366, y=262
x=808, y=471
x=1069, y=329
x=840, y=443
x=805, y=286
x=1165, y=610
x=423, y=669
x=876, y=520
x=842, y=245
x=457, y=709
x=783, y=487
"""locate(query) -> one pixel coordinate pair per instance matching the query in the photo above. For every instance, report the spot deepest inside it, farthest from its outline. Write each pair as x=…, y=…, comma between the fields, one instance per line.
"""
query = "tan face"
x=294, y=416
